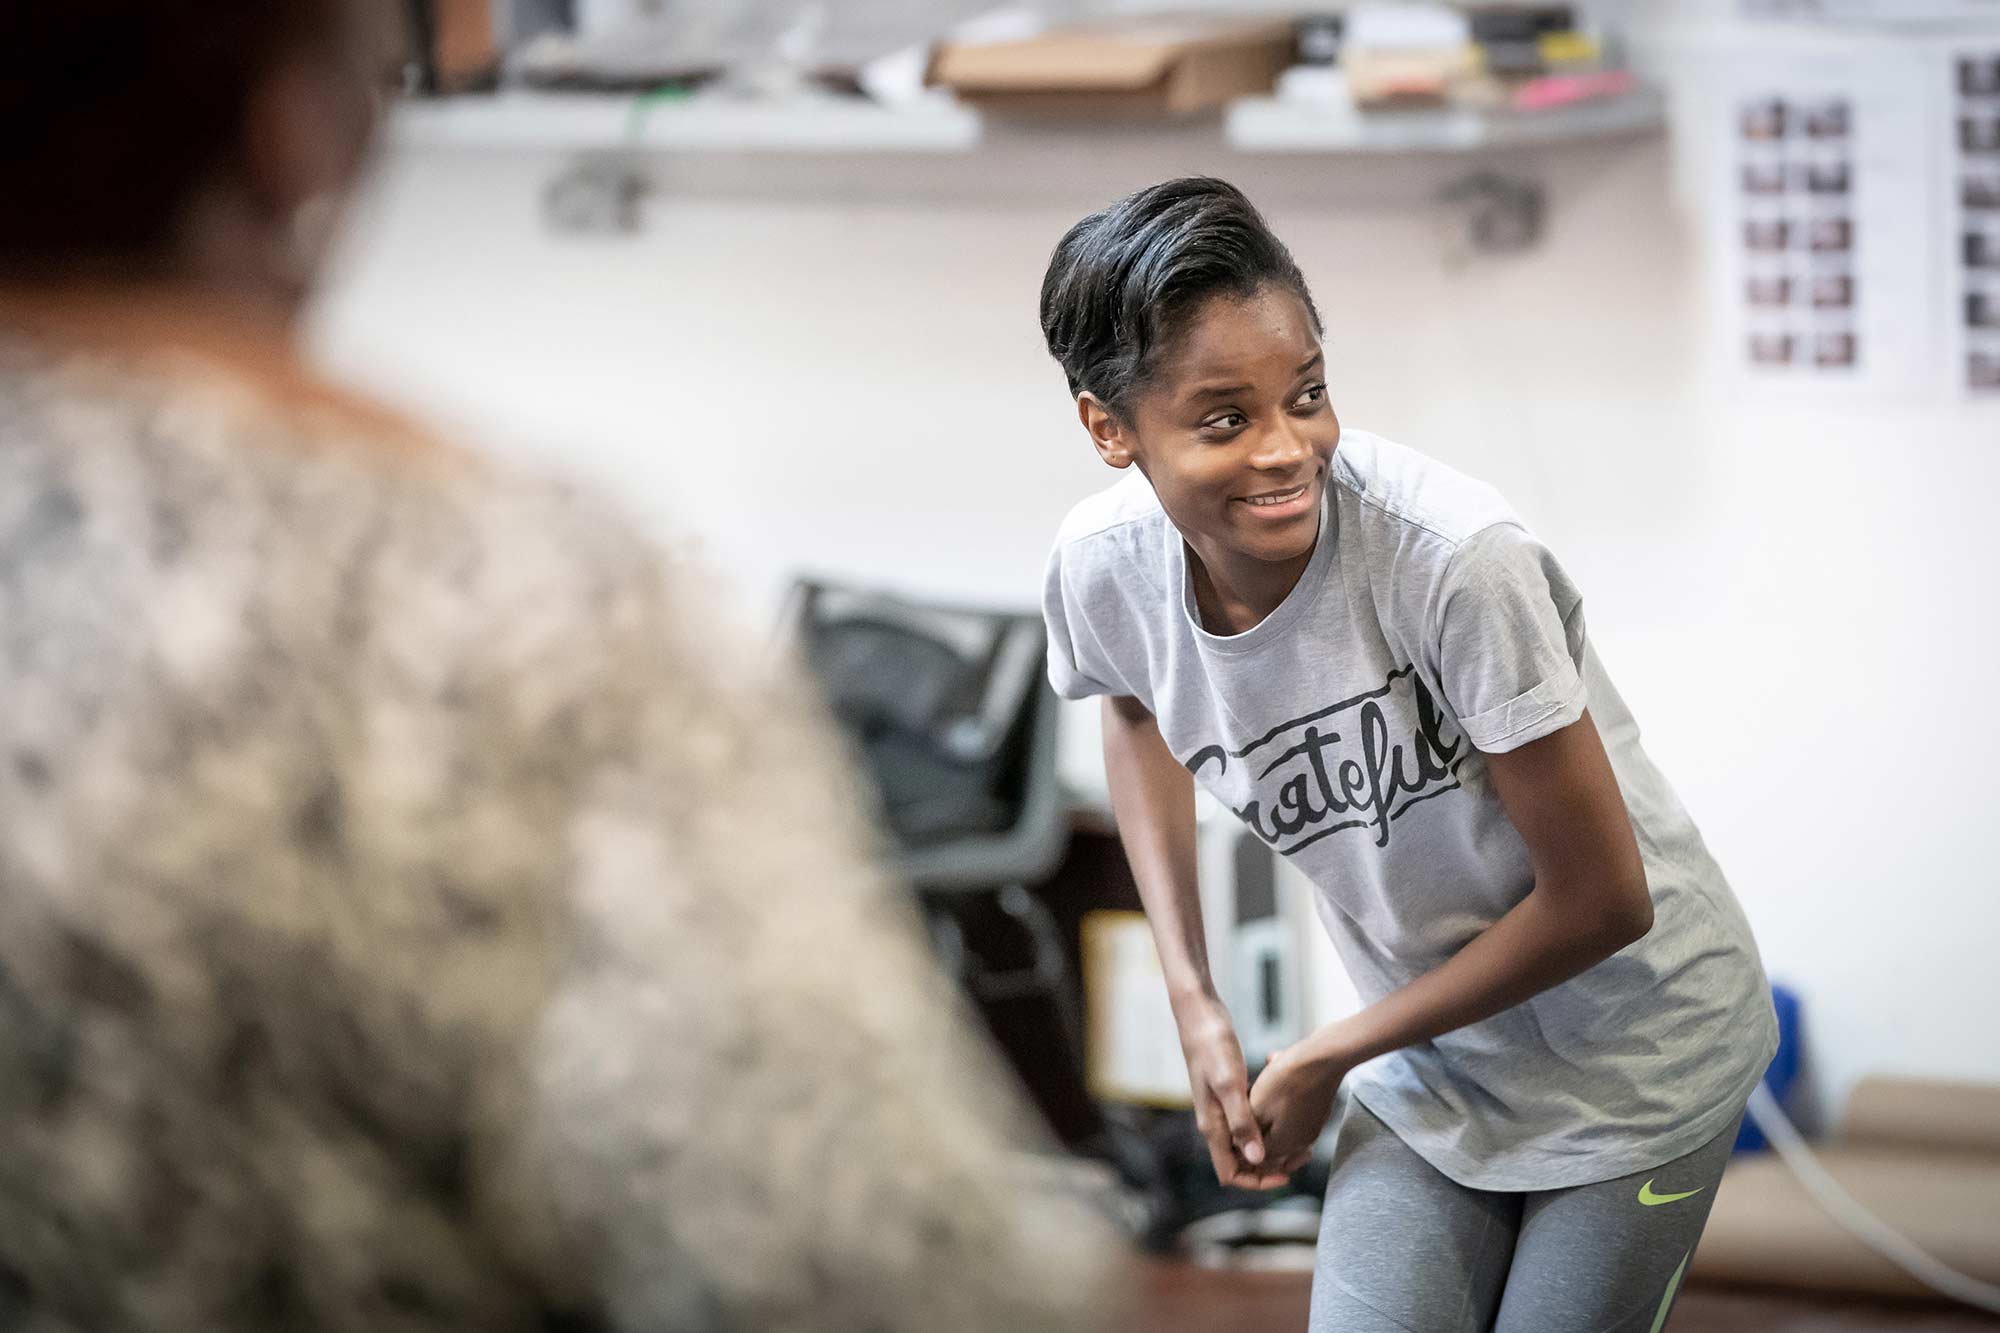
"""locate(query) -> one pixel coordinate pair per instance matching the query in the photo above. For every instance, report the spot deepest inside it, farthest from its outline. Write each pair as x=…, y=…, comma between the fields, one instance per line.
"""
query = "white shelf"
x=592, y=122
x=1267, y=125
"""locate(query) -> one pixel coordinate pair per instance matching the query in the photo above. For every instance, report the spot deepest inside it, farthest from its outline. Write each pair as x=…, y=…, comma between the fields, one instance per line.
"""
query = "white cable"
x=1846, y=1210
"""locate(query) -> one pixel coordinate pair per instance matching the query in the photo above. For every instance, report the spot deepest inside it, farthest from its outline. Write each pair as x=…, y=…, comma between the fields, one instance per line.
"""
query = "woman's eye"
x=1311, y=397
x=1224, y=421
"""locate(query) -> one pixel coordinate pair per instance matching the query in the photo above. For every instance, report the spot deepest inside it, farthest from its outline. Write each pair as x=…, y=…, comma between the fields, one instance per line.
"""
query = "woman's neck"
x=248, y=328
x=1234, y=594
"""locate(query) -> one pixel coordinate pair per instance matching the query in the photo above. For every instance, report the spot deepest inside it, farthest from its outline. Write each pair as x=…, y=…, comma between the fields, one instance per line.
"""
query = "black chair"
x=952, y=715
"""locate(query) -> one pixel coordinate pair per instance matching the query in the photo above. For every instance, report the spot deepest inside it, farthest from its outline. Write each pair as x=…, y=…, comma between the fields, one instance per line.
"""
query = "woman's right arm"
x=1152, y=797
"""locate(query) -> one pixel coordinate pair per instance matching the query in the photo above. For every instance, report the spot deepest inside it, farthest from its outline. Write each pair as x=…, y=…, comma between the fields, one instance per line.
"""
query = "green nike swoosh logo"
x=1652, y=1200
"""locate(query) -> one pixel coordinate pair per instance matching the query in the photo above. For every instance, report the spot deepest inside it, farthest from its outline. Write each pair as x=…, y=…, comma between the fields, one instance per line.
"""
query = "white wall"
x=1796, y=603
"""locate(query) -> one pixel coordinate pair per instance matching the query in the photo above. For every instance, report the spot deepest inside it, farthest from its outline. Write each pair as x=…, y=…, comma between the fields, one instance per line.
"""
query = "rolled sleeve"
x=1510, y=640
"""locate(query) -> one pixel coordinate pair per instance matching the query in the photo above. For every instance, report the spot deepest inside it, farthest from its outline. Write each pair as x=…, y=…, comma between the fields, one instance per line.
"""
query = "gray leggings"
x=1404, y=1249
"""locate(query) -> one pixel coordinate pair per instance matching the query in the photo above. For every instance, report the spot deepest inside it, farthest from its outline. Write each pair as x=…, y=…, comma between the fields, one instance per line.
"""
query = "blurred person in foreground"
x=409, y=917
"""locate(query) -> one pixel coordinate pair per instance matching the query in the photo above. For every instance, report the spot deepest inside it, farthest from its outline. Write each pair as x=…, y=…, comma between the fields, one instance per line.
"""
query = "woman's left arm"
x=1589, y=900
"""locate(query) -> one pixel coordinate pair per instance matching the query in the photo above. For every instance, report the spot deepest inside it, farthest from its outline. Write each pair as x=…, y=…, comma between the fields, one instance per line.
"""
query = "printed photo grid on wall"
x=1800, y=289
x=1827, y=277
x=1975, y=123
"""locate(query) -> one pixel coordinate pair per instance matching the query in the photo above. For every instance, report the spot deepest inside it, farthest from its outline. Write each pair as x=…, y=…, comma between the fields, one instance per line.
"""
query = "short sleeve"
x=1510, y=640
x=1078, y=665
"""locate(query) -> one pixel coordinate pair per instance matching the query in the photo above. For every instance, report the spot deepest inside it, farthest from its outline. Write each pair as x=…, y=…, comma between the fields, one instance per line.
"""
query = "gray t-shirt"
x=1348, y=730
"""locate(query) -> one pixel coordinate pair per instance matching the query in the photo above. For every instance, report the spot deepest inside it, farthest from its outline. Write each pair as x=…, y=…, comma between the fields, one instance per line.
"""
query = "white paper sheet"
x=1132, y=1047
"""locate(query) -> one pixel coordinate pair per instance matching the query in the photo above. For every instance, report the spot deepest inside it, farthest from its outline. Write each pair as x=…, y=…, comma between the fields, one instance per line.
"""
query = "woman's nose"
x=1283, y=445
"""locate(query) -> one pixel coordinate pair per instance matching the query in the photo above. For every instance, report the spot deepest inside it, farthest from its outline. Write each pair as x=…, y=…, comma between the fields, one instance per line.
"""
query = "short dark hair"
x=1121, y=279
x=117, y=112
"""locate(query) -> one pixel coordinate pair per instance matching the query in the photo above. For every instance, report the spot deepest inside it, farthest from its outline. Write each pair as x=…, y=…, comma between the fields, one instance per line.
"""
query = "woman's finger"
x=1249, y=1140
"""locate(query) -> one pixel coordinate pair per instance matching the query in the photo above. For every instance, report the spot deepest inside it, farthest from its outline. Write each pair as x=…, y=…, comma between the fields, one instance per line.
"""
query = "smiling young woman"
x=1368, y=657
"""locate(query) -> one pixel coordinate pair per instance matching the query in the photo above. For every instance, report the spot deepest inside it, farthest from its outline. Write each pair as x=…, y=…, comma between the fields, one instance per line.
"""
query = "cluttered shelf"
x=1420, y=78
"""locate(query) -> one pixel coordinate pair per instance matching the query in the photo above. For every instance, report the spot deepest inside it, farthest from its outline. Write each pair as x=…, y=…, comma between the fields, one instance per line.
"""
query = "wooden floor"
x=1179, y=1298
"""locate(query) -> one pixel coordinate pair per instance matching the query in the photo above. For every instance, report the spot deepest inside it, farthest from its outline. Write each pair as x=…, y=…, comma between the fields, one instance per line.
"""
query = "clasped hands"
x=1257, y=1136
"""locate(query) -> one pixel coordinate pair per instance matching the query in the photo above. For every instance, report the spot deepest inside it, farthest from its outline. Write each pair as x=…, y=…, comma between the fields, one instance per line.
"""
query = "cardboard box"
x=464, y=45
x=1147, y=68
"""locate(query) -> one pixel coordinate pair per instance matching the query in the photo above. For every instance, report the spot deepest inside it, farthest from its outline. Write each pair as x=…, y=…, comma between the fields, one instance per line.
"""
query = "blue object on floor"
x=1783, y=1070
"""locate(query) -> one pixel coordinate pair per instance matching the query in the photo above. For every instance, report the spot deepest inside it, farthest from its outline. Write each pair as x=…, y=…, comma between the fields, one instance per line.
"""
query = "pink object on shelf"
x=1555, y=90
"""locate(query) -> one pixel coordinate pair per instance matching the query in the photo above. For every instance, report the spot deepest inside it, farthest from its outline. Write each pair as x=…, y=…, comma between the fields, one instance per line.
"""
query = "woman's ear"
x=308, y=125
x=1107, y=432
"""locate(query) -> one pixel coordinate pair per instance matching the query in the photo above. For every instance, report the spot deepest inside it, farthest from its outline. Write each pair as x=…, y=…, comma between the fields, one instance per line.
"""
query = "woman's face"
x=1235, y=432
